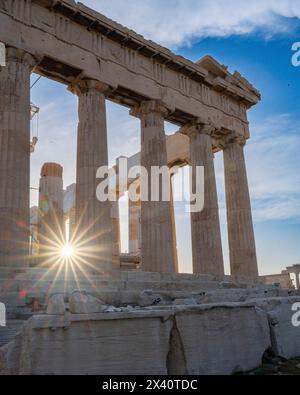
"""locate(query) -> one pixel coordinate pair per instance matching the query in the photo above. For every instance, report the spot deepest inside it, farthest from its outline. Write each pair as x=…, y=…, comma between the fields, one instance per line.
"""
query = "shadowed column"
x=243, y=260
x=205, y=224
x=173, y=222
x=134, y=216
x=15, y=158
x=156, y=220
x=297, y=274
x=93, y=218
x=51, y=212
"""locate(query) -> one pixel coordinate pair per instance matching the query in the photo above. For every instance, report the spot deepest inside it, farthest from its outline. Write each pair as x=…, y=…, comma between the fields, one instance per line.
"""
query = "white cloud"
x=273, y=165
x=177, y=22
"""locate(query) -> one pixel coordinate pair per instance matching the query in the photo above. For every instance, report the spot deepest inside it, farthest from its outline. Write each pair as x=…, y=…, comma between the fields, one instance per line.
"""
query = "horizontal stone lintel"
x=69, y=49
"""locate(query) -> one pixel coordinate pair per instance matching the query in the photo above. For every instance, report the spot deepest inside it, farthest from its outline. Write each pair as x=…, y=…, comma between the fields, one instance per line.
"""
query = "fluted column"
x=157, y=239
x=297, y=274
x=115, y=215
x=116, y=237
x=205, y=224
x=93, y=218
x=15, y=157
x=173, y=222
x=52, y=232
x=243, y=260
x=134, y=216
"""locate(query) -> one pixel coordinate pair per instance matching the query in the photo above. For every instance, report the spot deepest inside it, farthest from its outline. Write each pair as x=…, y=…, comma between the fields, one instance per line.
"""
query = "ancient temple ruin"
x=110, y=62
x=98, y=60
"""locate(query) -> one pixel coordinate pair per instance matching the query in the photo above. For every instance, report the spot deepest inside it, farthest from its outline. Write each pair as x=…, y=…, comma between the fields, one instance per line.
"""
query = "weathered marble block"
x=223, y=339
x=285, y=336
x=120, y=346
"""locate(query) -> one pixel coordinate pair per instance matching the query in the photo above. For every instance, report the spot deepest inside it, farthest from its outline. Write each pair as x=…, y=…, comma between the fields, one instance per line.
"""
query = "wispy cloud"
x=273, y=164
x=179, y=22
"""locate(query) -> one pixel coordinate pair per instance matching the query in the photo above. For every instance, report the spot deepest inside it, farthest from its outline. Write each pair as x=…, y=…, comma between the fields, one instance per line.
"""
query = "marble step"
x=28, y=289
x=8, y=333
x=44, y=274
x=13, y=299
x=11, y=272
x=18, y=313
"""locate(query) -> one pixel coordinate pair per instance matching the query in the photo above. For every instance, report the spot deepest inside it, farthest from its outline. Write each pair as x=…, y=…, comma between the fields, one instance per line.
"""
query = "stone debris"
x=149, y=298
x=183, y=336
x=185, y=302
x=81, y=302
x=112, y=309
x=56, y=305
x=129, y=309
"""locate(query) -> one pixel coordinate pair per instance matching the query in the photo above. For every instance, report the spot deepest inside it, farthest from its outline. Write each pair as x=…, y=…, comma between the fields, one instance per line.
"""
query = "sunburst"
x=73, y=259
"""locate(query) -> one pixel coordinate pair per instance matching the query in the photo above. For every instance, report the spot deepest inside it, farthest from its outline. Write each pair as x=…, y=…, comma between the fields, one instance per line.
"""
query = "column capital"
x=199, y=126
x=149, y=107
x=230, y=139
x=83, y=86
x=20, y=56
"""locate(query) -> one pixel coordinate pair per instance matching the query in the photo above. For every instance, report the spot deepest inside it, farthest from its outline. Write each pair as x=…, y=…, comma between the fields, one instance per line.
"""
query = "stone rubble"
x=149, y=298
x=56, y=305
x=186, y=335
x=80, y=302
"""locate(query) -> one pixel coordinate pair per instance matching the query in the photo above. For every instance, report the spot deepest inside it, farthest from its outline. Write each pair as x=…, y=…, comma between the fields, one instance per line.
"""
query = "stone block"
x=82, y=303
x=56, y=305
x=285, y=336
x=185, y=302
x=149, y=298
x=223, y=340
x=106, y=347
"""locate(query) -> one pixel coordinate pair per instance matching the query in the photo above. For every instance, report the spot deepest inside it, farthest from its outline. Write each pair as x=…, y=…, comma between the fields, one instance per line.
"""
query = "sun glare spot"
x=67, y=251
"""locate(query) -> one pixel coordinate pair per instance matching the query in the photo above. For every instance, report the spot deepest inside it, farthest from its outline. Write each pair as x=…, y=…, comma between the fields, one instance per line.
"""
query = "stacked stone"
x=15, y=158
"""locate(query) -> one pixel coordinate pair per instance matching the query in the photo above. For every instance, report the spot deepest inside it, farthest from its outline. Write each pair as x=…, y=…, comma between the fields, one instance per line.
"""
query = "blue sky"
x=255, y=39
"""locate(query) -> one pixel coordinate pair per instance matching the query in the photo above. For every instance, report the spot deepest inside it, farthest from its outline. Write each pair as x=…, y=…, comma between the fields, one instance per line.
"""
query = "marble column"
x=52, y=232
x=93, y=218
x=156, y=219
x=116, y=235
x=134, y=217
x=115, y=216
x=173, y=221
x=15, y=158
x=205, y=224
x=243, y=260
x=297, y=274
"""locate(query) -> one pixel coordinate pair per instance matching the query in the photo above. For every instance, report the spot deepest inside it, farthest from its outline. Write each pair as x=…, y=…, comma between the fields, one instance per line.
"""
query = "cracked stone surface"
x=208, y=339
